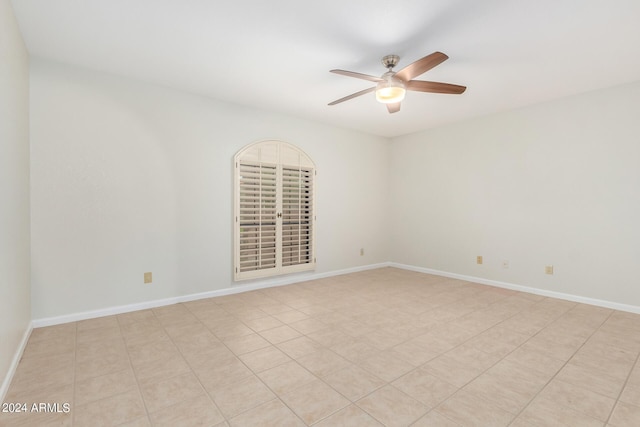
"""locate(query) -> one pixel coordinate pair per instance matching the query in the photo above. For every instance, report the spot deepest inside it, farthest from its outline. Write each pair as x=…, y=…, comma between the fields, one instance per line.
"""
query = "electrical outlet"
x=148, y=277
x=479, y=259
x=505, y=264
x=548, y=269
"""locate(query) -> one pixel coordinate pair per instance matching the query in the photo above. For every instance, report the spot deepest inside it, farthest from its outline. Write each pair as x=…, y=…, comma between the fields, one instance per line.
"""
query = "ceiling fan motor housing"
x=390, y=61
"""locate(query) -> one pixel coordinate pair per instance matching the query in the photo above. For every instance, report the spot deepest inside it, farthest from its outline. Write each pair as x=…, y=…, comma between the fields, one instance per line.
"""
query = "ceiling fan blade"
x=357, y=75
x=394, y=107
x=421, y=66
x=353, y=95
x=435, y=87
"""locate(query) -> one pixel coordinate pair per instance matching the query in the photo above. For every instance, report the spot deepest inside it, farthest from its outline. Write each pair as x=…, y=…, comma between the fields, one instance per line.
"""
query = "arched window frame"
x=274, y=210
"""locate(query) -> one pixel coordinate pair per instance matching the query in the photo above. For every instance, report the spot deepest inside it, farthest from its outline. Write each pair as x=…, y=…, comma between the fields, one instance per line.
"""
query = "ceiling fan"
x=392, y=86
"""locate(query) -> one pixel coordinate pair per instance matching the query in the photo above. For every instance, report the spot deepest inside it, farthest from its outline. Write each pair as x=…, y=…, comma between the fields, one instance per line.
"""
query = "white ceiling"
x=276, y=54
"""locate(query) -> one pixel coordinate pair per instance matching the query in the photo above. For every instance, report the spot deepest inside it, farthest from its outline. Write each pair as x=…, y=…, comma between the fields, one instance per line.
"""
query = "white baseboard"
x=536, y=291
x=287, y=280
x=254, y=285
x=4, y=388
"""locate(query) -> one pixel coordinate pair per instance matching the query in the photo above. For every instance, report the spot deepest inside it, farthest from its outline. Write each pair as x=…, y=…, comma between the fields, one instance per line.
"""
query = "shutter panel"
x=297, y=220
x=257, y=216
x=274, y=210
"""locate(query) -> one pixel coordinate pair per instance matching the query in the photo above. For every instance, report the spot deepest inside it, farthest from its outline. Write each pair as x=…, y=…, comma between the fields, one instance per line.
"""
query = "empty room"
x=338, y=213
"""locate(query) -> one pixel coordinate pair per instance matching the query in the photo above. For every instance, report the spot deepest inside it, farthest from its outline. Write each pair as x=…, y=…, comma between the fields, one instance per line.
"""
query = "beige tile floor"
x=381, y=347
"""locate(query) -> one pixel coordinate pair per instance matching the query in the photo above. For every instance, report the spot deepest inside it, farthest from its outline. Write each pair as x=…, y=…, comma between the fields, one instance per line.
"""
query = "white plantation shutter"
x=274, y=210
x=297, y=211
x=257, y=217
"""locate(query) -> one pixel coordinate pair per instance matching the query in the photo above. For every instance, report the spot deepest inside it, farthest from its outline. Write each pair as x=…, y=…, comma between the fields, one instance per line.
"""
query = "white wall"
x=129, y=177
x=15, y=311
x=553, y=184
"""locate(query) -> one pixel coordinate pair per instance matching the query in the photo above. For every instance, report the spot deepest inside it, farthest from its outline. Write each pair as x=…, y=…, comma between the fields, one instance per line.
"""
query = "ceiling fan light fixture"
x=391, y=87
x=390, y=90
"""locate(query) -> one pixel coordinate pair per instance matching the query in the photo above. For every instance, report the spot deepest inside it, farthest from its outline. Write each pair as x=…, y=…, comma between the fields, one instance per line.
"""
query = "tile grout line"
x=439, y=323
x=624, y=385
x=241, y=361
x=133, y=371
x=503, y=358
x=303, y=367
x=316, y=377
x=390, y=383
x=204, y=389
x=516, y=348
x=563, y=365
x=75, y=365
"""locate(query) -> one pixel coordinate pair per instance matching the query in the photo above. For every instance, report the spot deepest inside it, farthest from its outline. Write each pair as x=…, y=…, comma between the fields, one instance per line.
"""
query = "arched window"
x=274, y=210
